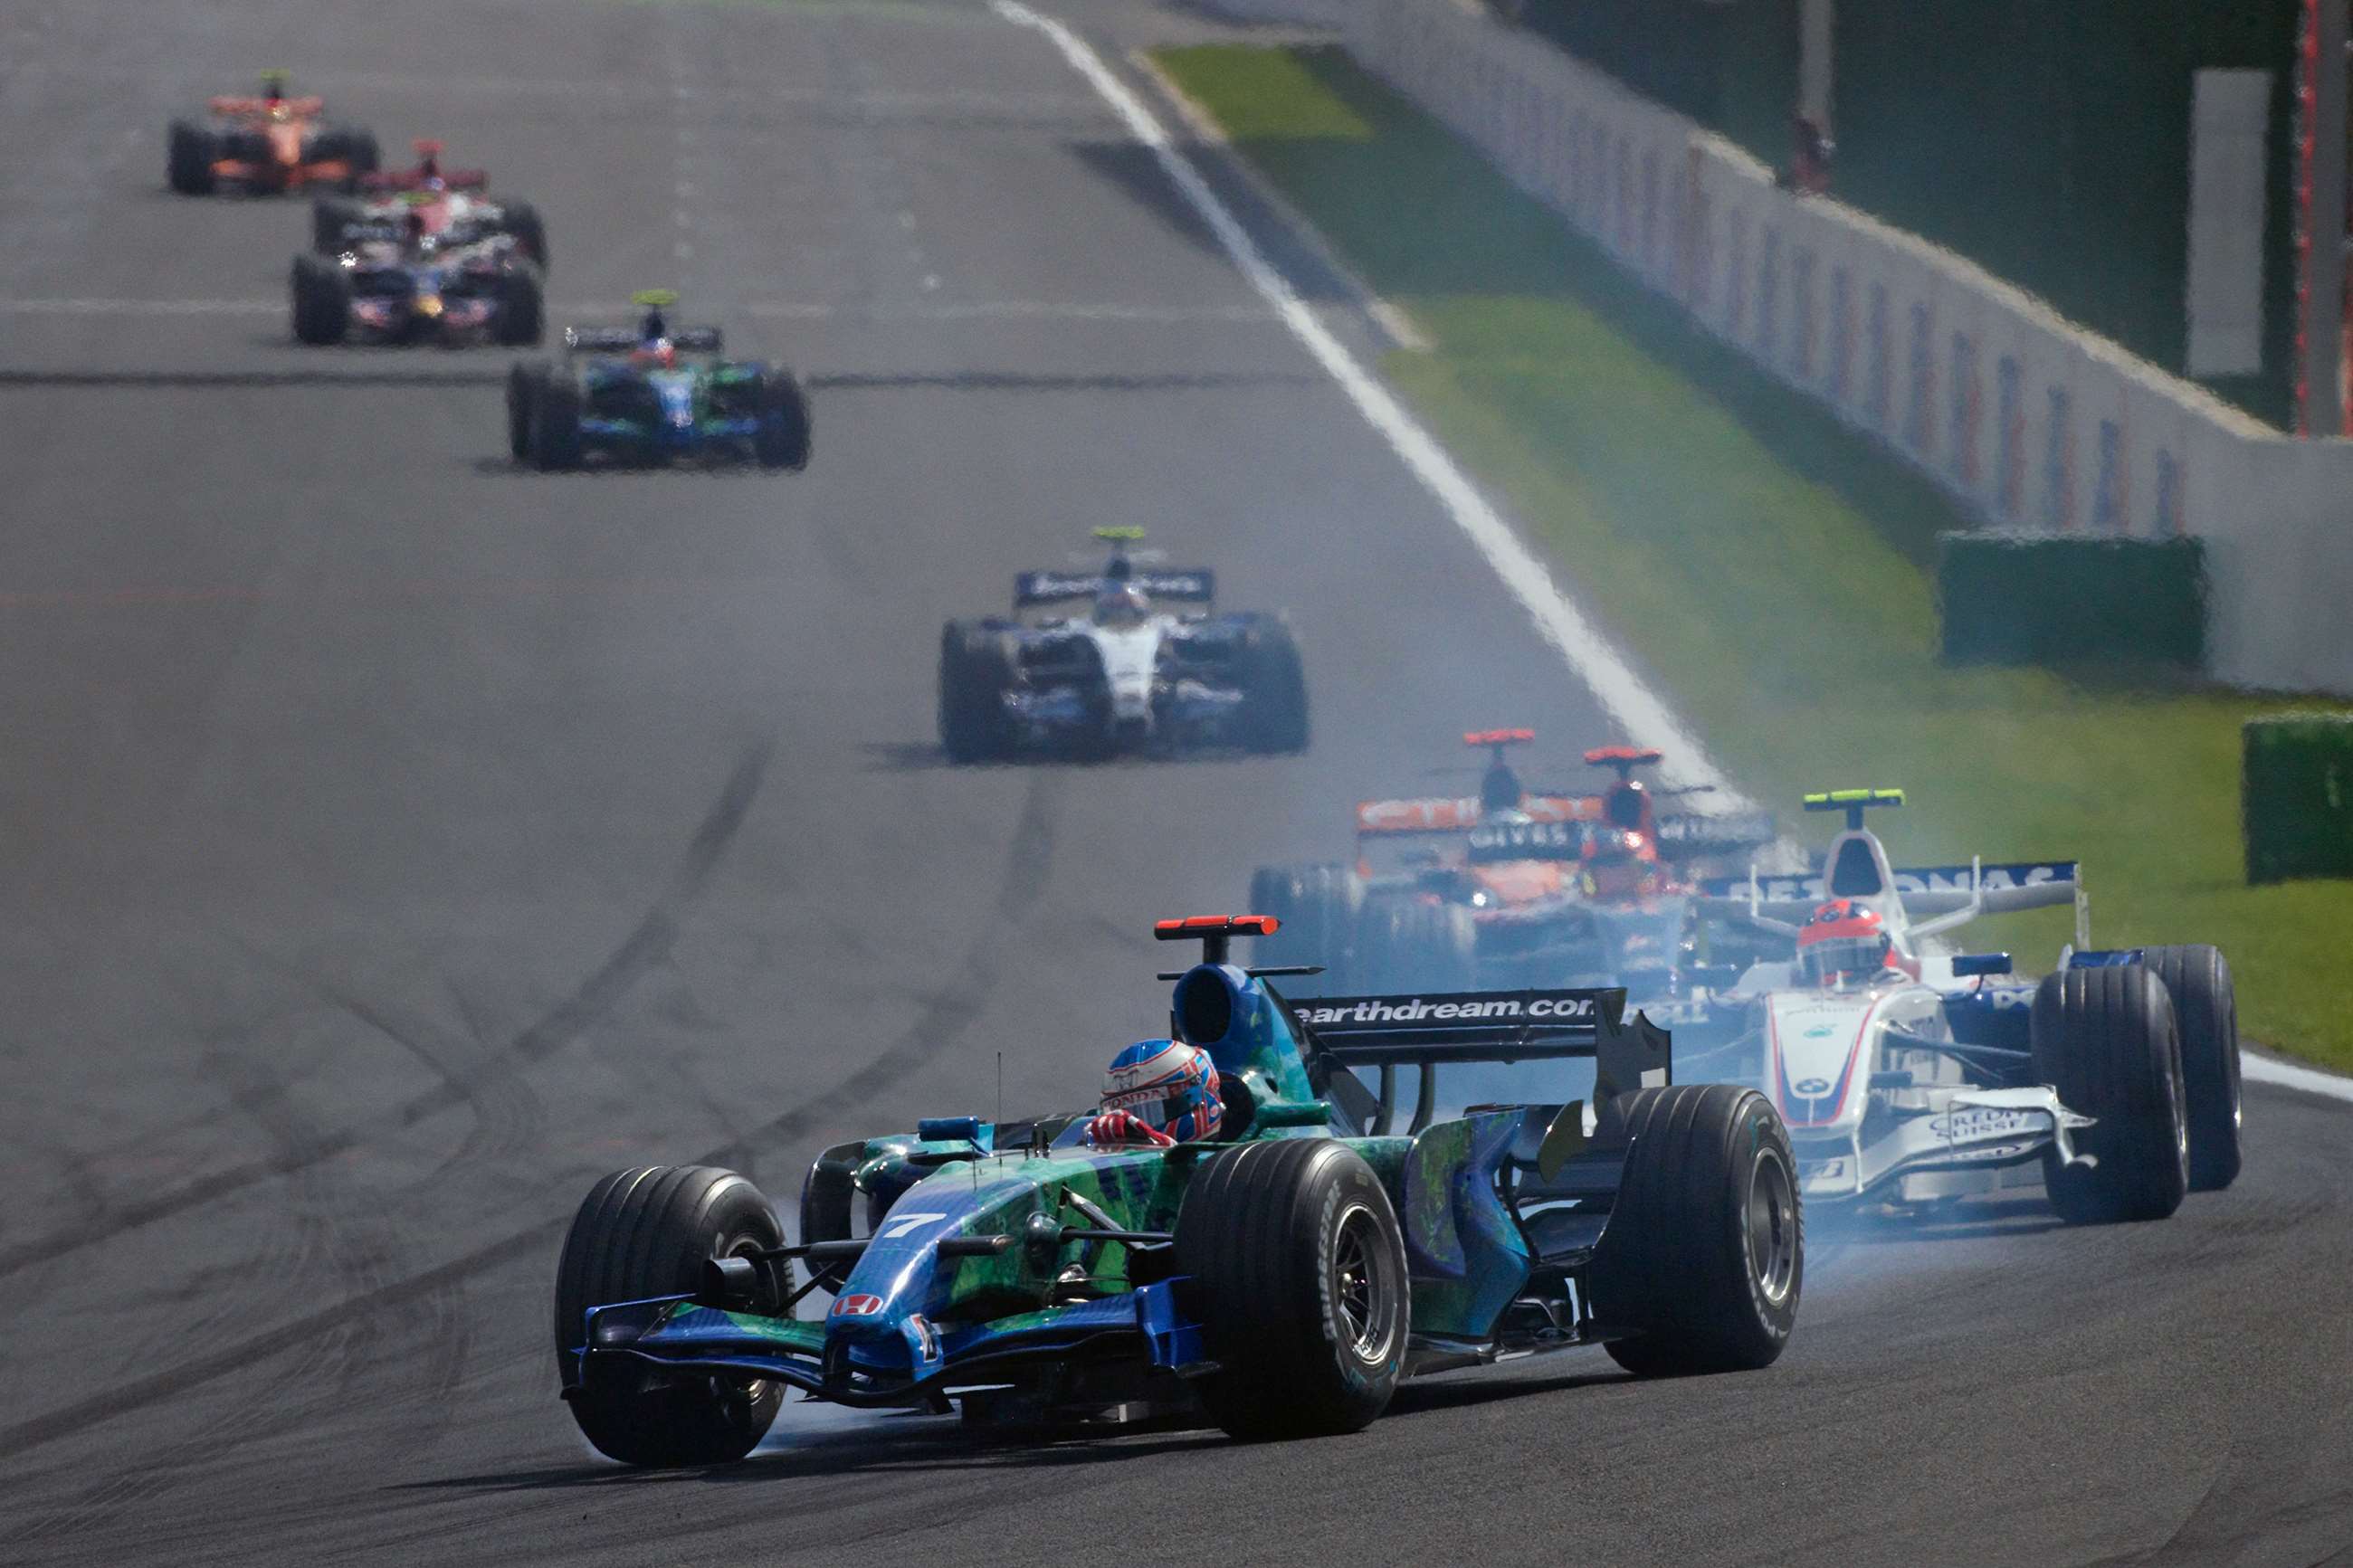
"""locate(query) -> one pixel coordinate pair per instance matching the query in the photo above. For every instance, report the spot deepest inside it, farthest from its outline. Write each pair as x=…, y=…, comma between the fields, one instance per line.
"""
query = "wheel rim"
x=1772, y=1229
x=1364, y=1286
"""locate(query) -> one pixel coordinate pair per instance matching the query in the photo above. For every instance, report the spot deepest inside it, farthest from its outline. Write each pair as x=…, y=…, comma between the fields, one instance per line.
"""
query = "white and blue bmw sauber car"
x=1147, y=669
x=1910, y=1076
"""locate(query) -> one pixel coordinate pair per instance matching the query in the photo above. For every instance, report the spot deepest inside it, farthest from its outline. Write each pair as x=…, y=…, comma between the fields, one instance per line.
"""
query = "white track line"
x=2287, y=1074
x=1640, y=712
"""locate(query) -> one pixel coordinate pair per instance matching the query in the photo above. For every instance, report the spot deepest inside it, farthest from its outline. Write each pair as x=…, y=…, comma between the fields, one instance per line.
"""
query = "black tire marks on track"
x=948, y=1015
x=645, y=945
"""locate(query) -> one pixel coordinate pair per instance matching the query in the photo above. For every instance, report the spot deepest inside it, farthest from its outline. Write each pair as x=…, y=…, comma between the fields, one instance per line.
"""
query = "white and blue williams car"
x=1911, y=1075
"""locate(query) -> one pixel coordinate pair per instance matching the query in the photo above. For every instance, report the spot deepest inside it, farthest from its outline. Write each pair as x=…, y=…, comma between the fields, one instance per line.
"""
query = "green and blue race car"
x=1279, y=1275
x=654, y=394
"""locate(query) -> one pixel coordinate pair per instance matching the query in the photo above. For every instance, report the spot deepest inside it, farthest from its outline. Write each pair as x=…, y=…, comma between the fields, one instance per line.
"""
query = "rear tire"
x=521, y=220
x=1705, y=1255
x=646, y=1232
x=975, y=673
x=782, y=439
x=323, y=301
x=522, y=396
x=1319, y=907
x=1411, y=944
x=2106, y=1040
x=1294, y=1266
x=555, y=424
x=2206, y=1011
x=522, y=312
x=331, y=219
x=1274, y=689
x=188, y=162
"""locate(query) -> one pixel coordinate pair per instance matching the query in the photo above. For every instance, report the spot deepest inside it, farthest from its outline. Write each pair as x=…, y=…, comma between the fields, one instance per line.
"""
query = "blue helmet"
x=1170, y=1086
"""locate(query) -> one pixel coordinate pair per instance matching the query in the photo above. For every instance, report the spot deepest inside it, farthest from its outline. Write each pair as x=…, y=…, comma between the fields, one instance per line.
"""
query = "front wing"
x=1978, y=1130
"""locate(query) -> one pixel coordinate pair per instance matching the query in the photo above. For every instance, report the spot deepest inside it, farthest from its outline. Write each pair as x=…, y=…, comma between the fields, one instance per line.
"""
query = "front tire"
x=645, y=1233
x=2106, y=1040
x=556, y=424
x=521, y=220
x=1705, y=1255
x=522, y=393
x=783, y=437
x=2206, y=1010
x=1294, y=1266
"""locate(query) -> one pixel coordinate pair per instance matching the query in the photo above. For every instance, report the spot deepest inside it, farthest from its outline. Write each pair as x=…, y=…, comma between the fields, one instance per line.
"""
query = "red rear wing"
x=1636, y=756
x=1498, y=737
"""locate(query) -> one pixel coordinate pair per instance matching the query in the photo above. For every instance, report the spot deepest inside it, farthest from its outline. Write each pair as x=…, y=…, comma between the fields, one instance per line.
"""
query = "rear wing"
x=1935, y=897
x=1383, y=818
x=300, y=108
x=621, y=340
x=410, y=179
x=1429, y=1031
x=1689, y=836
x=1191, y=585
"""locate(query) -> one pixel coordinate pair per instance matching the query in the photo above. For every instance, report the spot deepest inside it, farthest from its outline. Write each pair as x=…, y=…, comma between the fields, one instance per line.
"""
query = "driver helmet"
x=654, y=346
x=1159, y=1092
x=412, y=229
x=1499, y=790
x=1842, y=937
x=1121, y=605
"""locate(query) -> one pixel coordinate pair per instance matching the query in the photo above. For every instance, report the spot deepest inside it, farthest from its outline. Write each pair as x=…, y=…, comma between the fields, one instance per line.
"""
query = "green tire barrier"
x=2296, y=796
x=2064, y=599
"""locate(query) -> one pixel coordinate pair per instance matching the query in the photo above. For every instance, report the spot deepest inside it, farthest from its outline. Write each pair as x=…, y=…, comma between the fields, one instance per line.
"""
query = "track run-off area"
x=400, y=840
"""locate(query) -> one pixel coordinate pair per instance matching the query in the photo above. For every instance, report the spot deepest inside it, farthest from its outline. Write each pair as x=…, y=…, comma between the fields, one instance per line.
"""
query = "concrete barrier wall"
x=2030, y=421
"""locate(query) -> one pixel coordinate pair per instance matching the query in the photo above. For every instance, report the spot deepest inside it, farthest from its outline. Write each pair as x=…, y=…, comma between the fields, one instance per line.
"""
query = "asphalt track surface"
x=398, y=841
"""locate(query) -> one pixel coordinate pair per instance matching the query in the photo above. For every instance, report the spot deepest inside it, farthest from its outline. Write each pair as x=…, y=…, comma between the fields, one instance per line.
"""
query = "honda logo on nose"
x=858, y=1306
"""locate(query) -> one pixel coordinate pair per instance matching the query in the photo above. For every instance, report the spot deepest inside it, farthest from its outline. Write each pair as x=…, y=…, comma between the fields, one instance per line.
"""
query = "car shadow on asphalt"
x=923, y=1443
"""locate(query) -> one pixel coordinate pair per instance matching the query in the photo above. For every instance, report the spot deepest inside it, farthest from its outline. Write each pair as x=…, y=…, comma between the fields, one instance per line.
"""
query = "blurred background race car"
x=397, y=282
x=654, y=394
x=454, y=203
x=269, y=144
x=1148, y=669
x=1512, y=886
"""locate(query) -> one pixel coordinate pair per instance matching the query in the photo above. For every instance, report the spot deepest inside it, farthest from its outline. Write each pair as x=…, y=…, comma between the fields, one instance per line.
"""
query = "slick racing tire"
x=1275, y=689
x=523, y=382
x=646, y=1232
x=188, y=162
x=975, y=674
x=555, y=424
x=1413, y=943
x=2106, y=1040
x=1293, y=1263
x=2206, y=1010
x=521, y=220
x=356, y=148
x=522, y=312
x=1318, y=908
x=331, y=218
x=323, y=301
x=1705, y=1255
x=783, y=438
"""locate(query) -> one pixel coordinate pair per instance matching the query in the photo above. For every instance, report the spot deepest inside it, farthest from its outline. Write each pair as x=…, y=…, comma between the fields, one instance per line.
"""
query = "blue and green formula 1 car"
x=1280, y=1277
x=654, y=394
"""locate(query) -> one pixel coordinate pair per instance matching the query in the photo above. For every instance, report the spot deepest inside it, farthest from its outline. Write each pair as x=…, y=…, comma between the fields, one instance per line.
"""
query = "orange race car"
x=270, y=144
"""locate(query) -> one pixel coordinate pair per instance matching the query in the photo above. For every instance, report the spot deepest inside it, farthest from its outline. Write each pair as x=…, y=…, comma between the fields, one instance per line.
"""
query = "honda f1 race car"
x=267, y=144
x=654, y=394
x=1910, y=1076
x=1129, y=676
x=450, y=203
x=1278, y=1269
x=1509, y=888
x=399, y=283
